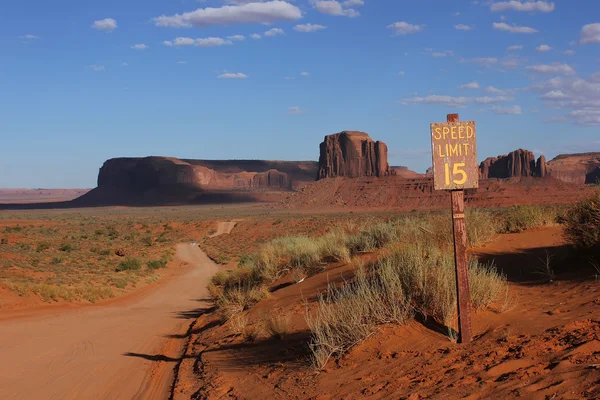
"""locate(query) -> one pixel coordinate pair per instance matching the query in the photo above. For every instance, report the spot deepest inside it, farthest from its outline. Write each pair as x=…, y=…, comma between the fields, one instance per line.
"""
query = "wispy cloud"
x=590, y=34
x=515, y=47
x=256, y=12
x=29, y=37
x=404, y=28
x=232, y=75
x=200, y=42
x=236, y=37
x=510, y=110
x=305, y=28
x=106, y=25
x=139, y=46
x=523, y=6
x=274, y=32
x=332, y=7
x=503, y=26
x=470, y=85
x=295, y=110
x=556, y=68
x=543, y=48
x=97, y=68
x=462, y=27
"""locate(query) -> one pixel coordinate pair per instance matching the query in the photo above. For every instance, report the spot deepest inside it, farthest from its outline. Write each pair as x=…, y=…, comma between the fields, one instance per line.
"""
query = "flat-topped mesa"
x=581, y=168
x=352, y=154
x=141, y=174
x=519, y=163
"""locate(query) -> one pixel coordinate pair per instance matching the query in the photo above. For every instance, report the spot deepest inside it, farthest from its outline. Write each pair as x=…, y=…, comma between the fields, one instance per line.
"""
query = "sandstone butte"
x=353, y=154
x=572, y=168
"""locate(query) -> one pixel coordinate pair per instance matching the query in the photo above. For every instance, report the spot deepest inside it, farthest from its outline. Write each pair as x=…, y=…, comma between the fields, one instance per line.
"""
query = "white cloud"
x=29, y=37
x=404, y=28
x=401, y=73
x=493, y=90
x=304, y=74
x=493, y=100
x=510, y=110
x=139, y=46
x=523, y=6
x=438, y=99
x=106, y=25
x=231, y=75
x=442, y=53
x=462, y=27
x=200, y=42
x=181, y=62
x=590, y=34
x=580, y=97
x=308, y=28
x=97, y=68
x=555, y=68
x=503, y=26
x=333, y=7
x=257, y=12
x=295, y=110
x=460, y=101
x=353, y=3
x=569, y=52
x=274, y=32
x=470, y=85
x=543, y=48
x=515, y=47
x=484, y=61
x=236, y=37
x=456, y=14
x=255, y=36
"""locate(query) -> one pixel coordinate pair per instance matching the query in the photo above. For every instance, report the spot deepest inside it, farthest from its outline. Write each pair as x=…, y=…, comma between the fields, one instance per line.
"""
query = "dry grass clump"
x=411, y=279
x=582, y=223
x=277, y=326
x=518, y=219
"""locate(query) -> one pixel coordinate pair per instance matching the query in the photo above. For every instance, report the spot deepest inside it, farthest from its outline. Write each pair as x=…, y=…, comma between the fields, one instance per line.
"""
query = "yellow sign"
x=454, y=150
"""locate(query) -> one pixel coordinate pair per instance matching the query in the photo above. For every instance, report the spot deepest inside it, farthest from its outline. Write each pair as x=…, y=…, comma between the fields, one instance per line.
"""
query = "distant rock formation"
x=519, y=163
x=581, y=168
x=541, y=166
x=404, y=172
x=140, y=174
x=352, y=154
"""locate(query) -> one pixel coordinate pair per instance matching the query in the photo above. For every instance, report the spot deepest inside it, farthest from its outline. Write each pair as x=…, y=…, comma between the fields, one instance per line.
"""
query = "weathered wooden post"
x=454, y=153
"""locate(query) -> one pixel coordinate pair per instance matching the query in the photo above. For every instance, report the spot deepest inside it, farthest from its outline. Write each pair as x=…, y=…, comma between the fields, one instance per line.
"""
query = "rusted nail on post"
x=454, y=152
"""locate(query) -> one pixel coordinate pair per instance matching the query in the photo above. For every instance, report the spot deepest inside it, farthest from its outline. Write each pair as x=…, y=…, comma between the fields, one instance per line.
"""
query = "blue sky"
x=84, y=81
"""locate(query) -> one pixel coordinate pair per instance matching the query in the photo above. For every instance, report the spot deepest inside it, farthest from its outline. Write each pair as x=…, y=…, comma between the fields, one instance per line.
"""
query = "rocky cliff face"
x=519, y=163
x=140, y=174
x=352, y=154
x=581, y=168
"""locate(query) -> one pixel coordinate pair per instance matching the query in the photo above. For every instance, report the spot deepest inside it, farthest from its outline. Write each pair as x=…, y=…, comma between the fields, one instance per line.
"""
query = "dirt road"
x=224, y=228
x=122, y=351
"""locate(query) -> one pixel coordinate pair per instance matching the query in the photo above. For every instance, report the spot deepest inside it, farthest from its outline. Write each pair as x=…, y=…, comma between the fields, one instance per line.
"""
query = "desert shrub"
x=582, y=223
x=518, y=219
x=120, y=283
x=13, y=229
x=129, y=264
x=333, y=247
x=222, y=259
x=237, y=298
x=163, y=239
x=482, y=226
x=412, y=278
x=157, y=264
x=4, y=241
x=99, y=232
x=373, y=237
x=67, y=248
x=277, y=326
x=147, y=240
x=42, y=246
x=104, y=252
x=56, y=260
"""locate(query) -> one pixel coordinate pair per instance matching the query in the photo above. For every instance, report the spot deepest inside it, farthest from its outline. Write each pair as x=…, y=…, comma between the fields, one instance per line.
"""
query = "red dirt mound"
x=394, y=192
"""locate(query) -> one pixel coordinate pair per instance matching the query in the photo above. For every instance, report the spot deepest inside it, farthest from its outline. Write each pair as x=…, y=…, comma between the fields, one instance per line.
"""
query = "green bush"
x=582, y=223
x=157, y=264
x=518, y=219
x=129, y=264
x=67, y=248
x=42, y=246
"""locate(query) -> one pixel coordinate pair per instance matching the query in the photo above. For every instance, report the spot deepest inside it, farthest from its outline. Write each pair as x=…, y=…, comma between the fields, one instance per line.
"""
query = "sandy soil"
x=542, y=343
x=124, y=350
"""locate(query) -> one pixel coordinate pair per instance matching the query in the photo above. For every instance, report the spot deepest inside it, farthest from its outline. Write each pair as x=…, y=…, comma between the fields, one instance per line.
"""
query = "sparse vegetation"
x=129, y=264
x=411, y=279
x=582, y=223
x=518, y=219
x=277, y=326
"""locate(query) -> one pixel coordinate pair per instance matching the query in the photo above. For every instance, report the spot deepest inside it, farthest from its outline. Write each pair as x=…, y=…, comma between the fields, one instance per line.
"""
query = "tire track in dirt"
x=122, y=351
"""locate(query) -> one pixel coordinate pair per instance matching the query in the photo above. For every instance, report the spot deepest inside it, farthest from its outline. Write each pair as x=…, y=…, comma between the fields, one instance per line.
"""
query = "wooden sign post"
x=454, y=150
